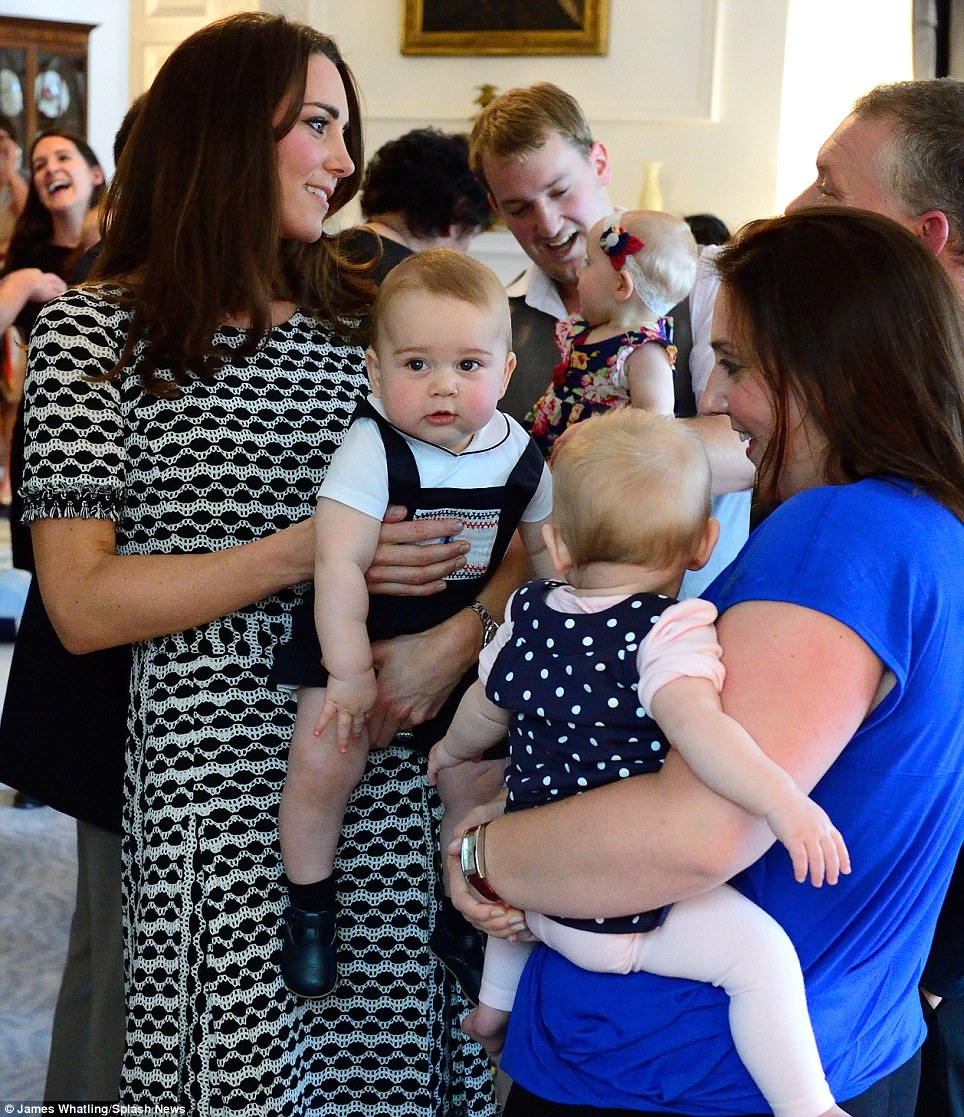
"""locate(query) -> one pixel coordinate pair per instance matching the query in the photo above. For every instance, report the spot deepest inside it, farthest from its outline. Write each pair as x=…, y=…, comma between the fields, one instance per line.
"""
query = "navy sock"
x=318, y=896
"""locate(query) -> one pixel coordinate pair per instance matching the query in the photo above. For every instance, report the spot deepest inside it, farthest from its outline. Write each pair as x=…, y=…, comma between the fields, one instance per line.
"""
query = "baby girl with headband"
x=618, y=351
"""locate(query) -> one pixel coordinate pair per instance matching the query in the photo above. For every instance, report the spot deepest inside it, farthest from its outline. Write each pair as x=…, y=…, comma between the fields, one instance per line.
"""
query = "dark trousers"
x=893, y=1096
x=87, y=1041
x=942, y=1062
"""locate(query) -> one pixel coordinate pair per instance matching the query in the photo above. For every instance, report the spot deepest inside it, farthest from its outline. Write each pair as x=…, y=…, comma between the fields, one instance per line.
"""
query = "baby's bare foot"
x=487, y=1026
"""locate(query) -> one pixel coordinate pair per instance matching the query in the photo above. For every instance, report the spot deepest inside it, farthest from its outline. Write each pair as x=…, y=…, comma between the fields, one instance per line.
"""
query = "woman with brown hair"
x=181, y=413
x=840, y=361
x=57, y=224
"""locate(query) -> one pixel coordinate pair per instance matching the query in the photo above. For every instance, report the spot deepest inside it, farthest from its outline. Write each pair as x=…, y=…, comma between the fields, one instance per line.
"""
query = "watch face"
x=467, y=853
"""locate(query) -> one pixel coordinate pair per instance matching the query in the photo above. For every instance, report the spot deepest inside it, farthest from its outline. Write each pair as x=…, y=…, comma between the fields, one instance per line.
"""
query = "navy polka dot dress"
x=570, y=680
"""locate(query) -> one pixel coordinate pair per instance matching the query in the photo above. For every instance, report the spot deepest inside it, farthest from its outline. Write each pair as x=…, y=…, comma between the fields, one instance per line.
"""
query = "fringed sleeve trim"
x=102, y=502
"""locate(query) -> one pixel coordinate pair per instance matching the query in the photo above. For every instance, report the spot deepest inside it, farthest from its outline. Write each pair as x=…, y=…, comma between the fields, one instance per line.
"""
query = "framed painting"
x=505, y=27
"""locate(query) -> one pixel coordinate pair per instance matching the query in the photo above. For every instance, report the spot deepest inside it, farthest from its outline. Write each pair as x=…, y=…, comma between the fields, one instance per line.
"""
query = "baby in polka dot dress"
x=594, y=679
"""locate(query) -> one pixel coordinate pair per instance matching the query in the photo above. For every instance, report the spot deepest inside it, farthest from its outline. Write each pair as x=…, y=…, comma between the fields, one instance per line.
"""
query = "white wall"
x=864, y=49
x=157, y=26
x=650, y=98
x=732, y=96
x=107, y=61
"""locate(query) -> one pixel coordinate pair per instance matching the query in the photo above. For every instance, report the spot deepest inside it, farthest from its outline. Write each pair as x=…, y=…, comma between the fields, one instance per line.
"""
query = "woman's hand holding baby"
x=503, y=921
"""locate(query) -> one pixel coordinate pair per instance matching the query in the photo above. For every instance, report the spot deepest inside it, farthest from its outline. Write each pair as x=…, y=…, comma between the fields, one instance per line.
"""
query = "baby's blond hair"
x=664, y=269
x=630, y=486
x=447, y=274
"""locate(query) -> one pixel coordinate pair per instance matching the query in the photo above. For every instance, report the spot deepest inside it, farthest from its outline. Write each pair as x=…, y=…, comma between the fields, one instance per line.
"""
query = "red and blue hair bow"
x=618, y=244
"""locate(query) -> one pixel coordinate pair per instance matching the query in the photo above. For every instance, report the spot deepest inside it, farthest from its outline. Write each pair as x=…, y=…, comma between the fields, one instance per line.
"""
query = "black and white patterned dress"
x=210, y=1026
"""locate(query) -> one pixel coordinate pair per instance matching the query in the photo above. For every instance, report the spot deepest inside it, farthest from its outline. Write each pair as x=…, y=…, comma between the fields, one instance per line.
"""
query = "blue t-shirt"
x=886, y=563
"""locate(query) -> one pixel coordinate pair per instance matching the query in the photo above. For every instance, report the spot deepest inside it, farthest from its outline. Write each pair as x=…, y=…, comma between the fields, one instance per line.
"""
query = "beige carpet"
x=38, y=870
x=37, y=880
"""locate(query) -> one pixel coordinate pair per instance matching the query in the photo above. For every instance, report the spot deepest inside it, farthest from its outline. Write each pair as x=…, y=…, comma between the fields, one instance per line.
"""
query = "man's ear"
x=599, y=157
x=374, y=372
x=558, y=551
x=934, y=230
x=494, y=206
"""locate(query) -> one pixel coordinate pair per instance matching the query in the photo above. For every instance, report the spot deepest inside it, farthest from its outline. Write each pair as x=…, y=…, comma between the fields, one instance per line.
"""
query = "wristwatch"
x=473, y=863
x=489, y=627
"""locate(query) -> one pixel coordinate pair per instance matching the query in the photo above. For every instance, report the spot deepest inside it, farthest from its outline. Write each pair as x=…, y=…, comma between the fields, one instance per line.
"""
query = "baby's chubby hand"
x=440, y=758
x=815, y=845
x=348, y=702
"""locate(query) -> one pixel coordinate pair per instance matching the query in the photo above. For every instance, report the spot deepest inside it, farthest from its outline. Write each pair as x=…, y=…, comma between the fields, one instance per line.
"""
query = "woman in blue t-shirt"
x=840, y=361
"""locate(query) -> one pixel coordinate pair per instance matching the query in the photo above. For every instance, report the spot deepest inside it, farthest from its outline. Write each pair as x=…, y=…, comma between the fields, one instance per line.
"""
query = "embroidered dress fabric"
x=210, y=1027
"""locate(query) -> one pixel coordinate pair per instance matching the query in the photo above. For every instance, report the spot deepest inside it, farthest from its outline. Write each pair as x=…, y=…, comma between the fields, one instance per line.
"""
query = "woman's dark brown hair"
x=35, y=228
x=193, y=213
x=854, y=317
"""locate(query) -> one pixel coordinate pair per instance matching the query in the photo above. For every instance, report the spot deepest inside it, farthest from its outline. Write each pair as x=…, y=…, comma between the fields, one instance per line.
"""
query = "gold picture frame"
x=467, y=27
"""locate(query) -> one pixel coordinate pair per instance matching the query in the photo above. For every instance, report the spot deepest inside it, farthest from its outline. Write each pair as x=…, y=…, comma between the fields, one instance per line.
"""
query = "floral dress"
x=590, y=378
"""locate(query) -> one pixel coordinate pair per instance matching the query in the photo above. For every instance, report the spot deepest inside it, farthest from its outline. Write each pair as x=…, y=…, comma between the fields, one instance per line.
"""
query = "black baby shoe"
x=461, y=953
x=309, y=964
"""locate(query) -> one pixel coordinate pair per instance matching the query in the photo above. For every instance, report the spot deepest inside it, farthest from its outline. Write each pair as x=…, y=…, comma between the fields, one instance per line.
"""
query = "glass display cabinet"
x=43, y=75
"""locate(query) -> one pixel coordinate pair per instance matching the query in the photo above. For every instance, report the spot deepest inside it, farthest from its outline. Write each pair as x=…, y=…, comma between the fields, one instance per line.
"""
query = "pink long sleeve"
x=682, y=642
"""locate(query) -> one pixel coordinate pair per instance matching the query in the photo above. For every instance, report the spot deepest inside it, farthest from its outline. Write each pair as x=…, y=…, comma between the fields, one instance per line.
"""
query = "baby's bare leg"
x=504, y=963
x=487, y=1026
x=462, y=789
x=456, y=943
x=319, y=782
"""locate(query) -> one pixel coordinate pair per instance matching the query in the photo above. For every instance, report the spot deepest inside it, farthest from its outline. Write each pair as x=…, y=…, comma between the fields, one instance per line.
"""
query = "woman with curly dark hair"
x=418, y=193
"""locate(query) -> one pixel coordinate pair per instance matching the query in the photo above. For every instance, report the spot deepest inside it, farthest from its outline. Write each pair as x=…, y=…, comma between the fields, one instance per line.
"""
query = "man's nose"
x=548, y=219
x=805, y=200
